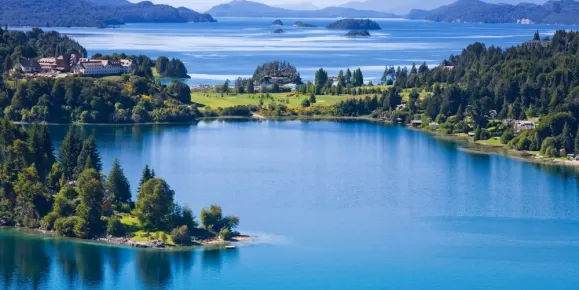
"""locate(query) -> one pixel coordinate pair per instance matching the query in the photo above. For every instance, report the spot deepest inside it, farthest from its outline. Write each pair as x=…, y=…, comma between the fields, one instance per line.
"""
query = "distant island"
x=279, y=31
x=354, y=24
x=303, y=24
x=84, y=13
x=358, y=33
x=475, y=11
x=244, y=8
x=277, y=23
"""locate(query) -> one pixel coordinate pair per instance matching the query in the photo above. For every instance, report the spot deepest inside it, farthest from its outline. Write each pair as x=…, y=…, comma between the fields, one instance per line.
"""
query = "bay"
x=334, y=205
x=234, y=47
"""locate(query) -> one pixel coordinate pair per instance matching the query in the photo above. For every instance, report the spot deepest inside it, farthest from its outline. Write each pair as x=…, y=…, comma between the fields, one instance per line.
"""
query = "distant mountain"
x=85, y=13
x=244, y=8
x=109, y=2
x=403, y=7
x=552, y=12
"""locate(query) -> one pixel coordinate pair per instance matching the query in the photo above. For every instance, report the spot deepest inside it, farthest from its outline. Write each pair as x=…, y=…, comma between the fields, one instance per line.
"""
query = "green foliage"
x=225, y=234
x=155, y=204
x=212, y=219
x=306, y=103
x=89, y=156
x=173, y=68
x=72, y=226
x=181, y=236
x=508, y=135
x=69, y=152
x=549, y=147
x=180, y=91
x=32, y=198
x=117, y=185
x=91, y=194
x=115, y=227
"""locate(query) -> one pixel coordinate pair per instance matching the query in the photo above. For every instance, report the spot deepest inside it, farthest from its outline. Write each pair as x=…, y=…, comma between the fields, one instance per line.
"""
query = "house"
x=401, y=107
x=28, y=66
x=434, y=125
x=416, y=123
x=103, y=67
x=523, y=125
x=471, y=134
x=61, y=64
x=292, y=87
x=493, y=115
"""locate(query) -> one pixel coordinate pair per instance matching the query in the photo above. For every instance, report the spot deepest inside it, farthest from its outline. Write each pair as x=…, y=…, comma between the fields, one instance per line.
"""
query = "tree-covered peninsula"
x=70, y=194
x=136, y=97
x=354, y=24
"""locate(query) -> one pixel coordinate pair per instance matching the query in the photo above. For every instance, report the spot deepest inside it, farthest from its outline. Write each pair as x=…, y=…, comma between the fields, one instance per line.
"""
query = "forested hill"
x=85, y=13
x=475, y=11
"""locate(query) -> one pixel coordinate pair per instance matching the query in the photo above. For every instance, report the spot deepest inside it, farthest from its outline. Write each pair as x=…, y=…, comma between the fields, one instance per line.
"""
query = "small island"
x=279, y=31
x=303, y=24
x=70, y=196
x=354, y=24
x=277, y=23
x=358, y=33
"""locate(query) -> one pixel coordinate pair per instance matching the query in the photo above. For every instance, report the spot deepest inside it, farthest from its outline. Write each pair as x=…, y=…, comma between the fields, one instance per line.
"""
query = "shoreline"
x=480, y=148
x=128, y=243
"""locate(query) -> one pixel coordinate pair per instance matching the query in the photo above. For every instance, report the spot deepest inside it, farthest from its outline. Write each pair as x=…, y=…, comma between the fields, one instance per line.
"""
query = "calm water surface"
x=335, y=205
x=233, y=47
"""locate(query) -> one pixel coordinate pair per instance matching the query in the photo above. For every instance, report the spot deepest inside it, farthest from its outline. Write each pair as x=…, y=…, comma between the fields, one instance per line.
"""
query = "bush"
x=547, y=146
x=115, y=227
x=225, y=234
x=48, y=221
x=306, y=103
x=72, y=226
x=181, y=235
x=124, y=207
x=507, y=136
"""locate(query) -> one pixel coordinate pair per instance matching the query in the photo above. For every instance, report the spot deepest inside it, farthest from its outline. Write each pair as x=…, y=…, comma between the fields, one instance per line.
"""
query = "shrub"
x=225, y=234
x=181, y=235
x=507, y=136
x=72, y=226
x=115, y=227
x=48, y=221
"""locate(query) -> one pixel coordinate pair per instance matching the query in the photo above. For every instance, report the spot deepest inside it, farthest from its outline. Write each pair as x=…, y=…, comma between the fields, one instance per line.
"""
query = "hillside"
x=65, y=13
x=243, y=8
x=110, y=2
x=552, y=12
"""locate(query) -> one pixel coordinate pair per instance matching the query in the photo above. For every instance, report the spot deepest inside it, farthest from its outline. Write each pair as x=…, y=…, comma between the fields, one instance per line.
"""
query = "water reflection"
x=154, y=268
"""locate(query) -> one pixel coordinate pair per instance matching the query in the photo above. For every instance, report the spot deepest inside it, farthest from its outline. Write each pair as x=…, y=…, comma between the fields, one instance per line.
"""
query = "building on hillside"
x=28, y=66
x=61, y=64
x=103, y=67
x=524, y=125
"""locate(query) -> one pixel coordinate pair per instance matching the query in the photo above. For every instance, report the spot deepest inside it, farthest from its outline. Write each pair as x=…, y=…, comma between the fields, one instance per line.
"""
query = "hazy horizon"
x=378, y=5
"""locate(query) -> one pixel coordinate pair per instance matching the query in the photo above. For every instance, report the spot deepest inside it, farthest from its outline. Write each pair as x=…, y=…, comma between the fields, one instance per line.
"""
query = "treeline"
x=131, y=99
x=172, y=68
x=482, y=84
x=35, y=43
x=74, y=198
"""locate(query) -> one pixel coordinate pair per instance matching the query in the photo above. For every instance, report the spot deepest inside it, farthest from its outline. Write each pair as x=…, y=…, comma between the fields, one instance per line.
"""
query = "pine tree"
x=69, y=152
x=155, y=204
x=118, y=188
x=146, y=175
x=91, y=194
x=537, y=36
x=89, y=156
x=567, y=139
x=577, y=141
x=348, y=76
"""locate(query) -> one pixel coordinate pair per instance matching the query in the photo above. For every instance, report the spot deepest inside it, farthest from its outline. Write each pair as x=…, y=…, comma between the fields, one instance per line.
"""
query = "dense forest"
x=476, y=11
x=83, y=13
x=537, y=80
x=70, y=195
x=135, y=98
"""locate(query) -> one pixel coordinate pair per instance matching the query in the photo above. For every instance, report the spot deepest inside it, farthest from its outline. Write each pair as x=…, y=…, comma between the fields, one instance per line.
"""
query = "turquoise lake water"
x=233, y=47
x=334, y=205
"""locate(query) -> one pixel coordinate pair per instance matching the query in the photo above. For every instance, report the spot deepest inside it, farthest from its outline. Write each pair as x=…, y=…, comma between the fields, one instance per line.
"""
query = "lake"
x=334, y=205
x=233, y=47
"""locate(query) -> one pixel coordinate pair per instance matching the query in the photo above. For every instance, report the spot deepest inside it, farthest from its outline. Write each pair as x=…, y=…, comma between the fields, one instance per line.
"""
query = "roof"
x=29, y=63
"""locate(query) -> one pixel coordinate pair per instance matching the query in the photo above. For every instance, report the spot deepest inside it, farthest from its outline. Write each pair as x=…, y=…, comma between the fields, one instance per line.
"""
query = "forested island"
x=354, y=24
x=137, y=97
x=277, y=23
x=303, y=24
x=71, y=196
x=88, y=13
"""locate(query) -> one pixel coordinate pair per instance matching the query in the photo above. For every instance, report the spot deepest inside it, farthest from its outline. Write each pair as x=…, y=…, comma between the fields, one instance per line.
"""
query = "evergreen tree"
x=348, y=76
x=91, y=194
x=577, y=141
x=33, y=200
x=117, y=185
x=537, y=36
x=7, y=64
x=567, y=139
x=69, y=152
x=155, y=204
x=41, y=149
x=146, y=175
x=89, y=156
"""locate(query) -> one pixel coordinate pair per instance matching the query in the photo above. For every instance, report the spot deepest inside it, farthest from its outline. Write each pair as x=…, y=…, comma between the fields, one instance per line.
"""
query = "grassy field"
x=491, y=142
x=215, y=100
x=134, y=226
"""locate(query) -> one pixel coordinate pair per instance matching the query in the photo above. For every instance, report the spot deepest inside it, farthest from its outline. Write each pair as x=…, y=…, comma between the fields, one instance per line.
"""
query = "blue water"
x=233, y=47
x=334, y=205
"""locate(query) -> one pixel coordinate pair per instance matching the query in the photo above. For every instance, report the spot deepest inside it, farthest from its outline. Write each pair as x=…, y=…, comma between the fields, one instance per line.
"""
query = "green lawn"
x=491, y=142
x=134, y=226
x=215, y=100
